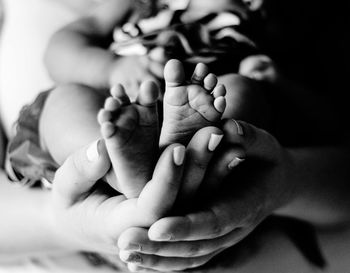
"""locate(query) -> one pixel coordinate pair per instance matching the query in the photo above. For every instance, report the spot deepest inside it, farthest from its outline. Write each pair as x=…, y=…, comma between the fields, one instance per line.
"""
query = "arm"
x=78, y=52
x=25, y=225
x=322, y=177
x=37, y=222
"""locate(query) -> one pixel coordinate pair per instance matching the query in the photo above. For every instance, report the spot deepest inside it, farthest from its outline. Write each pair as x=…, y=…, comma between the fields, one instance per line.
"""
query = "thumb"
x=81, y=171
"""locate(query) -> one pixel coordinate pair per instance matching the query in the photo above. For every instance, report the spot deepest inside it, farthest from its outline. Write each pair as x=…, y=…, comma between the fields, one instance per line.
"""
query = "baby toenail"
x=235, y=162
x=214, y=142
x=196, y=79
x=240, y=131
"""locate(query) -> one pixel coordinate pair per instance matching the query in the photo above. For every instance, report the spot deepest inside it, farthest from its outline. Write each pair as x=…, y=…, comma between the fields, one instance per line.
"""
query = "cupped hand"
x=87, y=218
x=239, y=195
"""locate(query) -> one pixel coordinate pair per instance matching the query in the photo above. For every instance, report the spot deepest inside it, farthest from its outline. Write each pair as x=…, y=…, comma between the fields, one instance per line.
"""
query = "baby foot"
x=130, y=131
x=191, y=106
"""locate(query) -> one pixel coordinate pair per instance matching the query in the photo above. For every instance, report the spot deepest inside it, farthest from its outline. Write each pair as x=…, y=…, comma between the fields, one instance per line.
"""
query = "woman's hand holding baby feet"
x=131, y=134
x=251, y=191
x=191, y=106
x=134, y=242
x=86, y=218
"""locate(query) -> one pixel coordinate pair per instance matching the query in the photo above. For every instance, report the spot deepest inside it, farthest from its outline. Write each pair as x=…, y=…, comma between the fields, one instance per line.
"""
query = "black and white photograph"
x=163, y=136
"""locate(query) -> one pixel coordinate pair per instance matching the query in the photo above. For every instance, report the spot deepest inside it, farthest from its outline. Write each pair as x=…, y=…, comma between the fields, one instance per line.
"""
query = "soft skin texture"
x=189, y=106
x=131, y=135
x=281, y=184
x=74, y=218
x=79, y=46
x=61, y=134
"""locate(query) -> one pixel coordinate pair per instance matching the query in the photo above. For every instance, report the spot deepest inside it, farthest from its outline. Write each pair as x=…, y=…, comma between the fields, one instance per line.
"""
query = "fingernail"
x=235, y=162
x=130, y=257
x=239, y=128
x=179, y=155
x=214, y=142
x=92, y=152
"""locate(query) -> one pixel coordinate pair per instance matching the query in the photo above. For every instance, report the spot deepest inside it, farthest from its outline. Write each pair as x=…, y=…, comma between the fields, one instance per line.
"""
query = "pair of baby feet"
x=131, y=130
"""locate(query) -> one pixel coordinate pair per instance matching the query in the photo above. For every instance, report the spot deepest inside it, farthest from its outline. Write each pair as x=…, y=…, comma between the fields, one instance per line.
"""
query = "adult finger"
x=136, y=240
x=80, y=171
x=242, y=142
x=230, y=213
x=199, y=153
x=256, y=143
x=164, y=264
x=158, y=196
x=224, y=162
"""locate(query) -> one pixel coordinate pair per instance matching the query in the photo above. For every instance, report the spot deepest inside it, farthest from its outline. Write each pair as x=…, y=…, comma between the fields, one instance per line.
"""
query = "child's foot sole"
x=189, y=106
x=130, y=131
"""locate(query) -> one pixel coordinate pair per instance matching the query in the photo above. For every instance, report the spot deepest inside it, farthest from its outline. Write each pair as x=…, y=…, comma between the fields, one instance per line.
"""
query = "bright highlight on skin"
x=92, y=152
x=235, y=162
x=179, y=155
x=214, y=142
x=239, y=128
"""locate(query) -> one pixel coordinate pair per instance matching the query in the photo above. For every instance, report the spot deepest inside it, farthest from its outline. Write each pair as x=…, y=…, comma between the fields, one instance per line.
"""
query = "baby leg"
x=131, y=134
x=189, y=106
x=68, y=120
x=247, y=100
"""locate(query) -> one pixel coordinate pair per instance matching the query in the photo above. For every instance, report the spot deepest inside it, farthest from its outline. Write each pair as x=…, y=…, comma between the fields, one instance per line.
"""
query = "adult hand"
x=248, y=193
x=87, y=218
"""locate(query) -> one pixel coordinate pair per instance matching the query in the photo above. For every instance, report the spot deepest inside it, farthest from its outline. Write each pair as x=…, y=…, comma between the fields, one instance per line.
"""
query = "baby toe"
x=200, y=72
x=174, y=73
x=210, y=81
x=104, y=116
x=219, y=91
x=118, y=92
x=220, y=104
x=149, y=94
x=107, y=129
x=111, y=104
